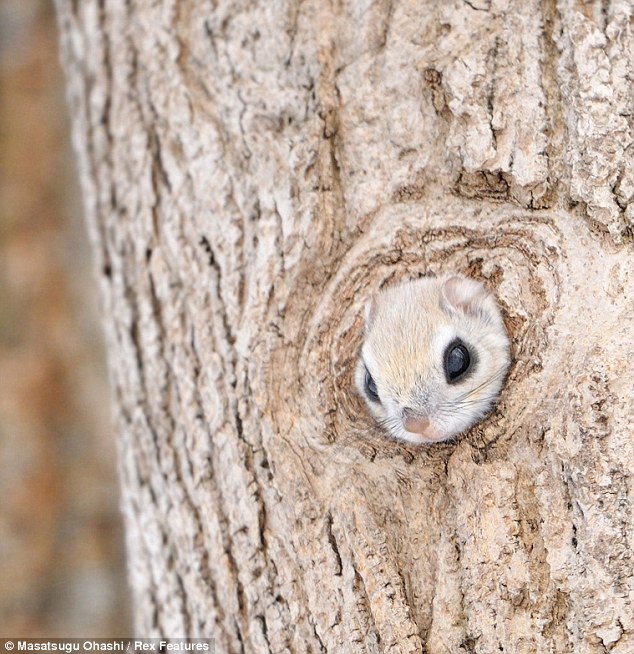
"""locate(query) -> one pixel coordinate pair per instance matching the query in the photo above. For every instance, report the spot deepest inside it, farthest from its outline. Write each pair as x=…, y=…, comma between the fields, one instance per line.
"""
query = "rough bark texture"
x=252, y=173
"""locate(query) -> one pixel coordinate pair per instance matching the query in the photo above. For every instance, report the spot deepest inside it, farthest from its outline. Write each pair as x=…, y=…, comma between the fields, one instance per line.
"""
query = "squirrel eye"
x=457, y=361
x=370, y=387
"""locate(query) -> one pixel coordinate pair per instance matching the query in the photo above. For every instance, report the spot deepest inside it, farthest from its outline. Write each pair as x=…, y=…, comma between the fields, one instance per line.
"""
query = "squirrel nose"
x=415, y=423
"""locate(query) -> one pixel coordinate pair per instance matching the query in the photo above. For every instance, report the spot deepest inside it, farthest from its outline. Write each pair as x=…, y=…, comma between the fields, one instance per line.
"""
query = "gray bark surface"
x=252, y=173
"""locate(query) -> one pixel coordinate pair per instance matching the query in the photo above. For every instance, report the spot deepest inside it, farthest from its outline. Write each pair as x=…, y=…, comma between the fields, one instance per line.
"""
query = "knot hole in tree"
x=515, y=261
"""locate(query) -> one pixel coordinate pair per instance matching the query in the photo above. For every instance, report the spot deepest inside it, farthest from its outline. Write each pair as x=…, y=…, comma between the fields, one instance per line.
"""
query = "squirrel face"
x=434, y=357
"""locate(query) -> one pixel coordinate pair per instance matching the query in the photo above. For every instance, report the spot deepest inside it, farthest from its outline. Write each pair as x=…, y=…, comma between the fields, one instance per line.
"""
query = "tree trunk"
x=252, y=173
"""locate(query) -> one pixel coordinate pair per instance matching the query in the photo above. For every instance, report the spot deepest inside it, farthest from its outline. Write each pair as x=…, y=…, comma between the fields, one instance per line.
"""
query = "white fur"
x=407, y=333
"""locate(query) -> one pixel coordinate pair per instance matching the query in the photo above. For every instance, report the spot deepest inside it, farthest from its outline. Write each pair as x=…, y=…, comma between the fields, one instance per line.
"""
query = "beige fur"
x=408, y=329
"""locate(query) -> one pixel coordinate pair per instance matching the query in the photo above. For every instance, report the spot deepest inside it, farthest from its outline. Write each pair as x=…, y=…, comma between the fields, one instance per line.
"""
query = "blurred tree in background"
x=61, y=551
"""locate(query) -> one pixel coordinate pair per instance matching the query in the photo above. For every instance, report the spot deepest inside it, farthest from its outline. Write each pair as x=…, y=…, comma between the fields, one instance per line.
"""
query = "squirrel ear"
x=462, y=294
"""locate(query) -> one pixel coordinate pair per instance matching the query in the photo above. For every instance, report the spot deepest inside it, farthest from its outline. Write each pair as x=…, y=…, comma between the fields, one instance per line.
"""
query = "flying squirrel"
x=434, y=357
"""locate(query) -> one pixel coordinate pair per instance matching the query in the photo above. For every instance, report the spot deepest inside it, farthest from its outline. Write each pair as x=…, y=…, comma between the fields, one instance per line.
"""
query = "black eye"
x=457, y=361
x=370, y=387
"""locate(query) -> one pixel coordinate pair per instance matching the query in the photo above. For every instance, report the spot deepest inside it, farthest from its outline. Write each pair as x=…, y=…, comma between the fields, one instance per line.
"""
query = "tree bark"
x=252, y=173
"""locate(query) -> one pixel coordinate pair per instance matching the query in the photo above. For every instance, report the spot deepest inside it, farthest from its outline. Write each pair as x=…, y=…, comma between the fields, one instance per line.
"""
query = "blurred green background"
x=62, y=570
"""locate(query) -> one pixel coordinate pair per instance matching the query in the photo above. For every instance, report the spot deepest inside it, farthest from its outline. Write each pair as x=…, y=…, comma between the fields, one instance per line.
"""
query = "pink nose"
x=416, y=424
